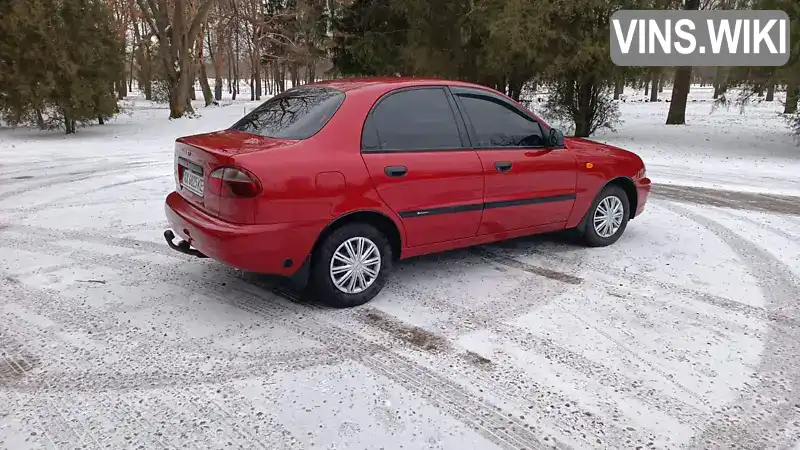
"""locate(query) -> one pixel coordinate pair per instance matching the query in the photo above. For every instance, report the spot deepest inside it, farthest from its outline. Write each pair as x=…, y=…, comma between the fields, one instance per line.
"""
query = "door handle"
x=395, y=171
x=502, y=166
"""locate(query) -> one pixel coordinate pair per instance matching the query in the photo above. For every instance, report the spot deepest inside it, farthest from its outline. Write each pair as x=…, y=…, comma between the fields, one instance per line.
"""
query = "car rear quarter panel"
x=321, y=178
x=597, y=164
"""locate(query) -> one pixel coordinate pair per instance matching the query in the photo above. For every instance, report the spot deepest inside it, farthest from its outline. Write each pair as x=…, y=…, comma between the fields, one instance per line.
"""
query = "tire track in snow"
x=94, y=373
x=530, y=268
x=508, y=391
x=60, y=423
x=325, y=337
x=537, y=403
x=476, y=413
x=729, y=199
x=769, y=406
x=631, y=285
x=26, y=211
x=761, y=225
x=55, y=235
x=466, y=320
x=76, y=177
x=69, y=426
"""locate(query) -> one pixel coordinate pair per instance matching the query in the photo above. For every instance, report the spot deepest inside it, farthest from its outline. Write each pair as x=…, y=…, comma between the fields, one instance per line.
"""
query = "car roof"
x=389, y=83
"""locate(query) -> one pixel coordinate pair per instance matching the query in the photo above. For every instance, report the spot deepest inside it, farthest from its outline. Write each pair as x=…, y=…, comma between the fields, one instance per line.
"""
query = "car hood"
x=588, y=144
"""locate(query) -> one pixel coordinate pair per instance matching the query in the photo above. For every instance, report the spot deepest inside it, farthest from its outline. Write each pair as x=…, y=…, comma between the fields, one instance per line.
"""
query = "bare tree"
x=177, y=25
x=122, y=15
x=218, y=35
x=681, y=85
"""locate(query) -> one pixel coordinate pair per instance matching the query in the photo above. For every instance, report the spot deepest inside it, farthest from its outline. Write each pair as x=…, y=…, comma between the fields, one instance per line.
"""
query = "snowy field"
x=684, y=334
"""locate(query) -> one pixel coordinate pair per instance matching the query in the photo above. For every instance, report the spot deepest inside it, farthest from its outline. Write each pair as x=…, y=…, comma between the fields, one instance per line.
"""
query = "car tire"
x=327, y=264
x=600, y=232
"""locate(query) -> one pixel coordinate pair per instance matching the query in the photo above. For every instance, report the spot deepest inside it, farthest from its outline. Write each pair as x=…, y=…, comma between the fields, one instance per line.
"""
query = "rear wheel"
x=607, y=218
x=351, y=265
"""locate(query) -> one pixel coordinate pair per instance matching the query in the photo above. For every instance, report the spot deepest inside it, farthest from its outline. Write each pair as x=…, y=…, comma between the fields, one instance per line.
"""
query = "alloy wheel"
x=355, y=265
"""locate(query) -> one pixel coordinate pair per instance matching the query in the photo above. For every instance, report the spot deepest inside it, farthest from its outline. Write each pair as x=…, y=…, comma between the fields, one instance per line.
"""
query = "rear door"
x=526, y=183
x=418, y=158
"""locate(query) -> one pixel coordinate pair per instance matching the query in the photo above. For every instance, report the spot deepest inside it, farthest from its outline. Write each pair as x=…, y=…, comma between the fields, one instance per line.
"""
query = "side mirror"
x=556, y=138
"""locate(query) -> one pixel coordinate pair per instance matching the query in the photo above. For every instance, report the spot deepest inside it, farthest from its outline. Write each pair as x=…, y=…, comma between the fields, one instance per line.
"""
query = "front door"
x=418, y=158
x=527, y=184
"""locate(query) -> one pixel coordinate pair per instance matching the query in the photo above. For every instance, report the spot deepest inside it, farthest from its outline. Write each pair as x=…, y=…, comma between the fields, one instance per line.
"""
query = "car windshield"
x=298, y=113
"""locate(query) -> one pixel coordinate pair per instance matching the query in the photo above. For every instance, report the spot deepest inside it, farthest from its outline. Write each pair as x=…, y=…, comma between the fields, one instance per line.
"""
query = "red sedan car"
x=332, y=182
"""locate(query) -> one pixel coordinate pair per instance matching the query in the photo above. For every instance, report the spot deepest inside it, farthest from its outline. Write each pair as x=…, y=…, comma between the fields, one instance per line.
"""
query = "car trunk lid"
x=198, y=155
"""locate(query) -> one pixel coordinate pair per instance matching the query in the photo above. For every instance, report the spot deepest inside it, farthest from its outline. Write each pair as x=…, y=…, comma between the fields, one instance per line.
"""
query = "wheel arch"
x=627, y=185
x=624, y=183
x=385, y=224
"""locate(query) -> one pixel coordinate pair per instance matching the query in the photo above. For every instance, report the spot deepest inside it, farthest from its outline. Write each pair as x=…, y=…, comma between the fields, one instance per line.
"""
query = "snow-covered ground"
x=684, y=334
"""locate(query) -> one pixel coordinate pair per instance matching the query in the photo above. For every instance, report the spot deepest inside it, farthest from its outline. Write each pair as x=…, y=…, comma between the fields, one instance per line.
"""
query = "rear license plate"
x=193, y=182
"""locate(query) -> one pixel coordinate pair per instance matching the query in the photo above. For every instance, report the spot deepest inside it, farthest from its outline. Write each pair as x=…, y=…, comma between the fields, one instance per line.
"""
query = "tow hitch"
x=182, y=246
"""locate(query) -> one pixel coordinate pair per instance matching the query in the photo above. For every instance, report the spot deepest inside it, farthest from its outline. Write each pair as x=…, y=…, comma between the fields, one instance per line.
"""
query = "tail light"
x=234, y=182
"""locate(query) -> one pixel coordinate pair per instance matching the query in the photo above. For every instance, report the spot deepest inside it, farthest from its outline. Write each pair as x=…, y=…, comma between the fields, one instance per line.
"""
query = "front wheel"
x=607, y=217
x=351, y=266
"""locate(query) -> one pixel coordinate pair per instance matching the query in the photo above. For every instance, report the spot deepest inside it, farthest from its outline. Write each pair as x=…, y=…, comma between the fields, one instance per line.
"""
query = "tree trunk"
x=191, y=83
x=230, y=71
x=655, y=85
x=180, y=97
x=295, y=76
x=130, y=76
x=257, y=75
x=312, y=75
x=100, y=120
x=148, y=89
x=235, y=59
x=40, y=119
x=583, y=119
x=619, y=87
x=515, y=87
x=771, y=92
x=269, y=74
x=682, y=83
x=122, y=84
x=233, y=75
x=69, y=124
x=718, y=82
x=680, y=95
x=792, y=95
x=252, y=87
x=647, y=88
x=208, y=96
x=218, y=89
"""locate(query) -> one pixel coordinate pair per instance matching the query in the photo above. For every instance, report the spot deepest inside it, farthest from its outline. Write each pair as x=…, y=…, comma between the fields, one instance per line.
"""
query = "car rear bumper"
x=642, y=191
x=278, y=249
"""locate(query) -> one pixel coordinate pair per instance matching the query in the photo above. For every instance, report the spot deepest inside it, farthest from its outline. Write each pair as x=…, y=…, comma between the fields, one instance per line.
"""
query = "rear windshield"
x=298, y=113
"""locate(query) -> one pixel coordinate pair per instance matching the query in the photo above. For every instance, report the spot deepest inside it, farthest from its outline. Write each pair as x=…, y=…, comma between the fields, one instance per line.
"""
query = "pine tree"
x=26, y=70
x=58, y=62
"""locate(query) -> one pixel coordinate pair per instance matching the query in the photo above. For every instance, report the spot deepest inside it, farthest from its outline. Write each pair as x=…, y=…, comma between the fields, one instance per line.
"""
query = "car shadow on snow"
x=561, y=242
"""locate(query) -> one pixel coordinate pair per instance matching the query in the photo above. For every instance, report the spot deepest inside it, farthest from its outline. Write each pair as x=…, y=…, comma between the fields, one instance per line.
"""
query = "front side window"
x=498, y=123
x=298, y=113
x=413, y=119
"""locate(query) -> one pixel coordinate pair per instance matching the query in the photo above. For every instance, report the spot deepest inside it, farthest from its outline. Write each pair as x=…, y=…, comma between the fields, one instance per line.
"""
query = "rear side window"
x=298, y=113
x=413, y=119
